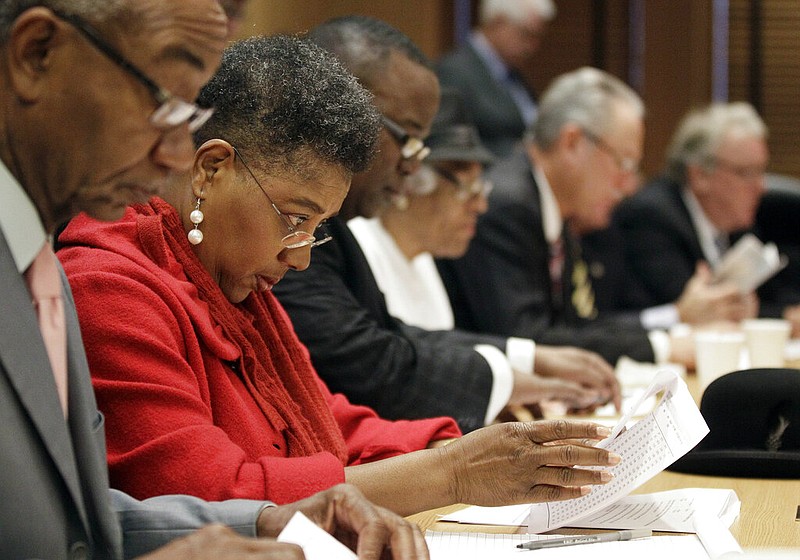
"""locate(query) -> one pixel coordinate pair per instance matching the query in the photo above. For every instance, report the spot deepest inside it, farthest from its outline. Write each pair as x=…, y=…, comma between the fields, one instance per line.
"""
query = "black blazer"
x=491, y=107
x=360, y=350
x=502, y=284
x=662, y=246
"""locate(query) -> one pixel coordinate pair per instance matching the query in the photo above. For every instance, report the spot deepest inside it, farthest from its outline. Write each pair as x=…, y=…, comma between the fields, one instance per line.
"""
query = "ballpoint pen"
x=587, y=539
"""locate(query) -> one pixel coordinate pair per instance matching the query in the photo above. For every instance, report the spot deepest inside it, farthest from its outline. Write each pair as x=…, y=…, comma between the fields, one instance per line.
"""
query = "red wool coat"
x=179, y=417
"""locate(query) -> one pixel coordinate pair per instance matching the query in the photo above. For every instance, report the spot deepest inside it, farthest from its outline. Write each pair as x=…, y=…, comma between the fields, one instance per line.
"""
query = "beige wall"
x=676, y=53
x=427, y=22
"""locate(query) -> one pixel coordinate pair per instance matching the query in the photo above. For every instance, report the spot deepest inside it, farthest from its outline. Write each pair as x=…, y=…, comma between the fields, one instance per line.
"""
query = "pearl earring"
x=195, y=235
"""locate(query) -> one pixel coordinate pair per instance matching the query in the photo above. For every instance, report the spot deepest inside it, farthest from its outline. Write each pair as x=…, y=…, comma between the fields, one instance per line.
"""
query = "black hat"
x=754, y=417
x=453, y=137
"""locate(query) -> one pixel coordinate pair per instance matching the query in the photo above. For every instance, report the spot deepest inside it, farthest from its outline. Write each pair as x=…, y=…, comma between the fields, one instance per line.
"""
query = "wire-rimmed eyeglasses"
x=748, y=173
x=296, y=238
x=466, y=191
x=411, y=147
x=627, y=165
x=172, y=111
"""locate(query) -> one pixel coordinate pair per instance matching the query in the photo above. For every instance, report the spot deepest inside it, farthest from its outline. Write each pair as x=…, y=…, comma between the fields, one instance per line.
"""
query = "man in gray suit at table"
x=488, y=69
x=96, y=112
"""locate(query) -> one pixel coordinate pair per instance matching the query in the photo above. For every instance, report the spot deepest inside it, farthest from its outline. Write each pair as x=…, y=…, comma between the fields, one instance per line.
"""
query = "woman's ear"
x=213, y=162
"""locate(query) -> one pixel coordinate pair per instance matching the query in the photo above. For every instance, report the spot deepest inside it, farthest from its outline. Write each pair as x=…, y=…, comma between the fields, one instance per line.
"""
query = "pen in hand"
x=587, y=539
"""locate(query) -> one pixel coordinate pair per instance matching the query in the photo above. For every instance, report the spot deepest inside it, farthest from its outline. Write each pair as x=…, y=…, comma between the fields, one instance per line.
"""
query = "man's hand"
x=217, y=542
x=792, y=314
x=373, y=532
x=533, y=389
x=587, y=369
x=703, y=302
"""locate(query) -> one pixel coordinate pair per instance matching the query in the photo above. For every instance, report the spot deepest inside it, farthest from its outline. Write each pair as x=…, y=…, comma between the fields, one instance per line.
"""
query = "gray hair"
x=286, y=99
x=516, y=11
x=91, y=10
x=587, y=97
x=702, y=131
x=364, y=44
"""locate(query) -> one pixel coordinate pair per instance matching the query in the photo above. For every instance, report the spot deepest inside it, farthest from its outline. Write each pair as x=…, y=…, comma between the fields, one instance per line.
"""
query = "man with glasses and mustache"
x=98, y=111
x=523, y=274
x=339, y=312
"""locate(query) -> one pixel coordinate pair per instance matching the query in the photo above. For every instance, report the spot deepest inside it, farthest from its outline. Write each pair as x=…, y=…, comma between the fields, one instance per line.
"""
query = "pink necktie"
x=44, y=284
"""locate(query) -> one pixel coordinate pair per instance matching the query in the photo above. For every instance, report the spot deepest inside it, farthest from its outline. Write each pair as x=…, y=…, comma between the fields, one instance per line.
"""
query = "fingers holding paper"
x=372, y=531
x=528, y=462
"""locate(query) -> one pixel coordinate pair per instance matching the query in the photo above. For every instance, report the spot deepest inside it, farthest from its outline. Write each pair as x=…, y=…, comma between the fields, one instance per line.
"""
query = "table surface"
x=767, y=519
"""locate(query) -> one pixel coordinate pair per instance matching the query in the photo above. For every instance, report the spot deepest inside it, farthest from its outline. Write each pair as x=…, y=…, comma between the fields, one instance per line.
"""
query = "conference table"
x=769, y=516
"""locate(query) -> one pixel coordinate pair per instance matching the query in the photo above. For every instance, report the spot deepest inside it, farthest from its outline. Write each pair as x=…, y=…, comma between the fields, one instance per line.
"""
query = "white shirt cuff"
x=503, y=383
x=660, y=317
x=521, y=353
x=662, y=348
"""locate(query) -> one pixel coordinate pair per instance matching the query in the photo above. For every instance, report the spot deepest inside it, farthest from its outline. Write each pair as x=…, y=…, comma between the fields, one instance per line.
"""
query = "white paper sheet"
x=483, y=546
x=671, y=510
x=647, y=447
x=749, y=263
x=317, y=544
x=715, y=536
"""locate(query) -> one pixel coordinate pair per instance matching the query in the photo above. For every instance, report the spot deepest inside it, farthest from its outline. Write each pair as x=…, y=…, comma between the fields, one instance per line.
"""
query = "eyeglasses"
x=172, y=111
x=296, y=238
x=627, y=165
x=466, y=191
x=411, y=147
x=745, y=172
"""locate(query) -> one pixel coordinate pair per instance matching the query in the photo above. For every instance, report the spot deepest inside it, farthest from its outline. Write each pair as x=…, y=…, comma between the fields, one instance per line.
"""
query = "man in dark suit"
x=336, y=305
x=86, y=128
x=707, y=198
x=489, y=69
x=524, y=275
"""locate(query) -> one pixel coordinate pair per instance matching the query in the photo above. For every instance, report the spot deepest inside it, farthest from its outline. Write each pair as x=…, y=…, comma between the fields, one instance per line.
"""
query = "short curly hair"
x=287, y=98
x=364, y=44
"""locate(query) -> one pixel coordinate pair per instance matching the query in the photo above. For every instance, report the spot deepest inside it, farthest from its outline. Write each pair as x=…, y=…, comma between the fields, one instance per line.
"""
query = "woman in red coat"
x=205, y=387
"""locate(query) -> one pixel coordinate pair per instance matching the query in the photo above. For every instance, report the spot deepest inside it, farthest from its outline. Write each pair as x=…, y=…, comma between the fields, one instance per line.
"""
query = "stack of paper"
x=663, y=511
x=482, y=546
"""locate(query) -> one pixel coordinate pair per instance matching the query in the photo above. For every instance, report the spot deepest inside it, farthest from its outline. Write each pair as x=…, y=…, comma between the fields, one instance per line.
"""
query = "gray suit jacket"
x=54, y=490
x=491, y=107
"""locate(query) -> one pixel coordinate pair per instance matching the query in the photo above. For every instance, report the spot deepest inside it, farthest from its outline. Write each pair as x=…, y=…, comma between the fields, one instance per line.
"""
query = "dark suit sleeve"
x=359, y=350
x=661, y=247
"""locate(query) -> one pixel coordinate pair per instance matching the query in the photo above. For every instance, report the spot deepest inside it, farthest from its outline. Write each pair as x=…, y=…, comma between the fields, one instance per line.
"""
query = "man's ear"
x=697, y=178
x=570, y=142
x=30, y=47
x=213, y=162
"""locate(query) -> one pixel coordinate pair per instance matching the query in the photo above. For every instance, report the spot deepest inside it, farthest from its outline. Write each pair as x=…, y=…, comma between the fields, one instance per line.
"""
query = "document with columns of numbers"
x=647, y=447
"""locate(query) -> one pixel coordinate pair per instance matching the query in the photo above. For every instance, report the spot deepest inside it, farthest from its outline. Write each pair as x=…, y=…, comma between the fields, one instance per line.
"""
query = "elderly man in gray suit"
x=97, y=110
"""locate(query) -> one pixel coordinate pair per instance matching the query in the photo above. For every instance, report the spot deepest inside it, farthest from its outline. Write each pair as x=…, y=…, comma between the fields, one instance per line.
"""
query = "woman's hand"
x=517, y=463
